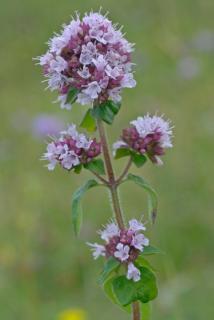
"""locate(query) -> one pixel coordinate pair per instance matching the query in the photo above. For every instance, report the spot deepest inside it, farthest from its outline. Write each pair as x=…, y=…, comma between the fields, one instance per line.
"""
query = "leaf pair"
x=123, y=292
x=112, y=264
x=128, y=291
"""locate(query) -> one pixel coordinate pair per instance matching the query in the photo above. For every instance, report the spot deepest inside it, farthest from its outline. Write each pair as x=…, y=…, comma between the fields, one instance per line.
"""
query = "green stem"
x=113, y=185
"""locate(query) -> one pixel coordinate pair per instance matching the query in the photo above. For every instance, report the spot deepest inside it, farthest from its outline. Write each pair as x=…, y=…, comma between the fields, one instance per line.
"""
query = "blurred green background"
x=43, y=268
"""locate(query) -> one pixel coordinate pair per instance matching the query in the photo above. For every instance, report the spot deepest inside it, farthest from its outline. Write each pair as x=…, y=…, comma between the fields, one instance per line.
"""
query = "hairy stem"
x=136, y=311
x=110, y=172
x=113, y=185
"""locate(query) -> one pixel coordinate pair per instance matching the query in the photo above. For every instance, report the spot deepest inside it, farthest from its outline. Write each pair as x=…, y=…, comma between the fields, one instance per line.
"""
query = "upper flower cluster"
x=71, y=149
x=149, y=135
x=92, y=56
x=124, y=245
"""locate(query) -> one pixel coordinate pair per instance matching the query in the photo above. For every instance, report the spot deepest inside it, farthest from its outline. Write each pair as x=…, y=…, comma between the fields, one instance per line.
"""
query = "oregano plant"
x=90, y=63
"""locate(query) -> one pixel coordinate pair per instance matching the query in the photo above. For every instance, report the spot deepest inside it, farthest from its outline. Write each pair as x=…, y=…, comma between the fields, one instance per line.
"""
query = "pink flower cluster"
x=71, y=150
x=148, y=135
x=92, y=56
x=124, y=245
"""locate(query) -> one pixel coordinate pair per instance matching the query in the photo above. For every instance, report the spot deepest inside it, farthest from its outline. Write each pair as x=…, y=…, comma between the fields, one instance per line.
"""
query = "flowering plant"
x=89, y=62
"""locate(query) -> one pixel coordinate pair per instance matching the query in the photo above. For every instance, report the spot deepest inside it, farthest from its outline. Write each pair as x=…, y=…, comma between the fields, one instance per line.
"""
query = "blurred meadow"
x=43, y=268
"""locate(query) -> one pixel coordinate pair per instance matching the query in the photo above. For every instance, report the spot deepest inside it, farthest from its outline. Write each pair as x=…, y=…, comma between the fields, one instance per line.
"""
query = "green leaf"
x=152, y=195
x=108, y=289
x=78, y=169
x=145, y=311
x=138, y=159
x=127, y=291
x=72, y=95
x=103, y=113
x=121, y=153
x=110, y=265
x=106, y=111
x=142, y=262
x=113, y=106
x=76, y=205
x=147, y=287
x=124, y=290
x=149, y=250
x=96, y=165
x=88, y=122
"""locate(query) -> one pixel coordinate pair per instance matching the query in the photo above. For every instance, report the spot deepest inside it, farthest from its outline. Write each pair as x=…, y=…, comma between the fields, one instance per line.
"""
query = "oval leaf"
x=152, y=195
x=96, y=166
x=76, y=205
x=124, y=290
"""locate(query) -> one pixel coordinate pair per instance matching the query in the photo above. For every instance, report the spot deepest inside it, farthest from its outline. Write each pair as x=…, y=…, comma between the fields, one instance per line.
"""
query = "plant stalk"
x=113, y=185
x=136, y=310
x=111, y=178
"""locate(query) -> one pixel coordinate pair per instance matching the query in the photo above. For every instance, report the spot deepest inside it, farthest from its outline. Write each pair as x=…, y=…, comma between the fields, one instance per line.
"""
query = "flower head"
x=71, y=149
x=90, y=55
x=124, y=245
x=148, y=135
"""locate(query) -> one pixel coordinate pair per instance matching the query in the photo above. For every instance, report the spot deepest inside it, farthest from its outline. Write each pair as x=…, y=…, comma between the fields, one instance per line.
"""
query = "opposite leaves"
x=128, y=291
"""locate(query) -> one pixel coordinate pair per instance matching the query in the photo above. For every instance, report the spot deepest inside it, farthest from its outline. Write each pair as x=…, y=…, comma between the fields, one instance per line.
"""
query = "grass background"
x=43, y=268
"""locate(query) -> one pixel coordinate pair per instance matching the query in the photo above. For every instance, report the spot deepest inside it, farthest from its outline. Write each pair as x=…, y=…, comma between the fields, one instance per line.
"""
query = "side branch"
x=100, y=178
x=125, y=171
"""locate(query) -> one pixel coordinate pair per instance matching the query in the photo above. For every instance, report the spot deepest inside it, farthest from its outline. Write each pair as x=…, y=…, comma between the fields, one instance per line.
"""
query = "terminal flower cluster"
x=124, y=245
x=92, y=56
x=71, y=149
x=148, y=135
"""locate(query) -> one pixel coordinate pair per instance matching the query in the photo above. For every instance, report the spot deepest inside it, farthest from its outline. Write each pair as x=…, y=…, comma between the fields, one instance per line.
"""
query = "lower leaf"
x=128, y=291
x=108, y=289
